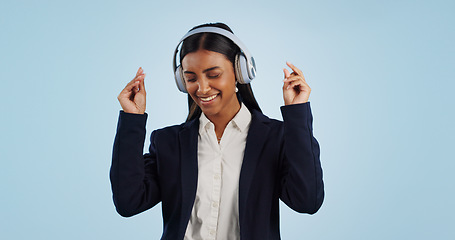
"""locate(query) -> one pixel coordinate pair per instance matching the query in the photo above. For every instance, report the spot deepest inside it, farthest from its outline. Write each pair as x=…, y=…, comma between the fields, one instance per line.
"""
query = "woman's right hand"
x=132, y=97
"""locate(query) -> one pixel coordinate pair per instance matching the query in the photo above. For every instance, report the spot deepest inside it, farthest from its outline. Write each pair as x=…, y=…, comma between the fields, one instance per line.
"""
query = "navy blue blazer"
x=281, y=161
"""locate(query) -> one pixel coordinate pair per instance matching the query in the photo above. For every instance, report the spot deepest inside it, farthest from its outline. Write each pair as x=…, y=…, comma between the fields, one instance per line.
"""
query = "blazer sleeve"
x=134, y=179
x=302, y=187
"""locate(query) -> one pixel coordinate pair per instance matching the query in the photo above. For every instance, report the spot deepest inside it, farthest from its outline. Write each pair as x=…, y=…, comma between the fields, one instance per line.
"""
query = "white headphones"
x=244, y=66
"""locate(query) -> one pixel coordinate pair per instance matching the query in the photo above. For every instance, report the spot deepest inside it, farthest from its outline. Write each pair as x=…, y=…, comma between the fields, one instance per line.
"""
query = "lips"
x=209, y=98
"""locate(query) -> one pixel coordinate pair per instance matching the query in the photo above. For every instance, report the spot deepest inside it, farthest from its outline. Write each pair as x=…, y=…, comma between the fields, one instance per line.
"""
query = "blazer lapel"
x=257, y=135
x=188, y=138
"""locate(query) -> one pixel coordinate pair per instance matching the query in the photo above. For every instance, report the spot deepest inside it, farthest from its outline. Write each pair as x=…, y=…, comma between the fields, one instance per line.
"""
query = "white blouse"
x=215, y=213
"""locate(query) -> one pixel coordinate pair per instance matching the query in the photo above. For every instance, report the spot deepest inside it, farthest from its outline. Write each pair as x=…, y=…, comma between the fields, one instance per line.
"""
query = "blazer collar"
x=188, y=137
x=257, y=135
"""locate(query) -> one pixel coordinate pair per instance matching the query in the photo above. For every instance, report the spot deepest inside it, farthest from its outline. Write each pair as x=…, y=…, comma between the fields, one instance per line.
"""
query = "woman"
x=220, y=174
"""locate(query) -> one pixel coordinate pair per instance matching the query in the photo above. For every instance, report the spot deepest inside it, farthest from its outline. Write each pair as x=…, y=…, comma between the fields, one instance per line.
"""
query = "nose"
x=203, y=86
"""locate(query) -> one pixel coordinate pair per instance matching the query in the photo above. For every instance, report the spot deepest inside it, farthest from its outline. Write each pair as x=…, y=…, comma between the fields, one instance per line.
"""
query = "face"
x=210, y=81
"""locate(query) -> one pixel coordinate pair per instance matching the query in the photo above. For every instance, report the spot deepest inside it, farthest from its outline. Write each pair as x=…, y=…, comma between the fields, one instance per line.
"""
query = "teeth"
x=208, y=98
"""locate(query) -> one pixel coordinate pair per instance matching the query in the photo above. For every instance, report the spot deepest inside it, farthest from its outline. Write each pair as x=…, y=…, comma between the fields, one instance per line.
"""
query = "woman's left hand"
x=295, y=88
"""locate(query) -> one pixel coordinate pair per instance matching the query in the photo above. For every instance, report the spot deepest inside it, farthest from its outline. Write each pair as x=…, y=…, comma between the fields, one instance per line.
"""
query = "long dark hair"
x=221, y=44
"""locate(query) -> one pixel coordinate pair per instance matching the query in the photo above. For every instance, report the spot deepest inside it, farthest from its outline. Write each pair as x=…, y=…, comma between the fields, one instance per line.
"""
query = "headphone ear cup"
x=241, y=69
x=179, y=80
x=237, y=70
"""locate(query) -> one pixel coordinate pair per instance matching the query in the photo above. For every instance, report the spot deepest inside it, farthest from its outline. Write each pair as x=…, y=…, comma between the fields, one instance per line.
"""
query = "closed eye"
x=190, y=77
x=213, y=76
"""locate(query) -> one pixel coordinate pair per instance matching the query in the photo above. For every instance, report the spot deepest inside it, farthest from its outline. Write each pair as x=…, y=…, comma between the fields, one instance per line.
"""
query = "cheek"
x=228, y=84
x=191, y=87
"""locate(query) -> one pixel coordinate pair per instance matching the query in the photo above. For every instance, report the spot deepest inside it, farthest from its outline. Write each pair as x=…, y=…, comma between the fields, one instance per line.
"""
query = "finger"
x=134, y=91
x=129, y=89
x=139, y=81
x=142, y=84
x=137, y=78
x=286, y=73
x=128, y=92
x=293, y=78
x=132, y=84
x=133, y=81
x=139, y=71
x=288, y=81
x=294, y=68
x=136, y=87
x=302, y=86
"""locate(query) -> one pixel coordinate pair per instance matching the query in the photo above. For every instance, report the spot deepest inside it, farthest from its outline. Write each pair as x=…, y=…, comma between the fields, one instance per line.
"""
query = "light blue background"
x=382, y=75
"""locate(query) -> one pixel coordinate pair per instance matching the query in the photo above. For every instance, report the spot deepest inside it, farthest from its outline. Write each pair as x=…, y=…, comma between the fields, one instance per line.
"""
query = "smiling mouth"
x=209, y=98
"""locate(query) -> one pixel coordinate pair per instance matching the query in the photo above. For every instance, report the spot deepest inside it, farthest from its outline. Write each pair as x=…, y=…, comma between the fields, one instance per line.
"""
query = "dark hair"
x=221, y=44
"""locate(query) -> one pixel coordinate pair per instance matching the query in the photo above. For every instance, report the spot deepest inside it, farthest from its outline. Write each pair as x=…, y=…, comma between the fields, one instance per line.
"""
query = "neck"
x=221, y=120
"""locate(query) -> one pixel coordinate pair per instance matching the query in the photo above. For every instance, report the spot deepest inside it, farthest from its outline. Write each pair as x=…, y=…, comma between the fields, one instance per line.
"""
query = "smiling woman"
x=217, y=43
x=221, y=174
x=210, y=81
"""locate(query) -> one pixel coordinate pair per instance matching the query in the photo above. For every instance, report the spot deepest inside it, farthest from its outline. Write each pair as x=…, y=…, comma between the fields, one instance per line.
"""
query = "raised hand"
x=132, y=97
x=295, y=88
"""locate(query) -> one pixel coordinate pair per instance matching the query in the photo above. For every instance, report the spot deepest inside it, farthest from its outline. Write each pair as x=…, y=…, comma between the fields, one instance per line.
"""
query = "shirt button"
x=216, y=177
x=214, y=204
x=212, y=232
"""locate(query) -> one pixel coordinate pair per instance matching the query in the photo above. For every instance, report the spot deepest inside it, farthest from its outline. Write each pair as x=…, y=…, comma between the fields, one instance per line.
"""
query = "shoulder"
x=262, y=123
x=173, y=131
x=258, y=116
x=169, y=129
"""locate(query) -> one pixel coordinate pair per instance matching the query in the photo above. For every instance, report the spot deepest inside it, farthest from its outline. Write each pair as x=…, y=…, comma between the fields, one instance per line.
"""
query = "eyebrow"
x=206, y=70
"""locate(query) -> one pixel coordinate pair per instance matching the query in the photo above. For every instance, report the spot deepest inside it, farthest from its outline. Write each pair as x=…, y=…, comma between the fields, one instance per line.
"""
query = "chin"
x=209, y=111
